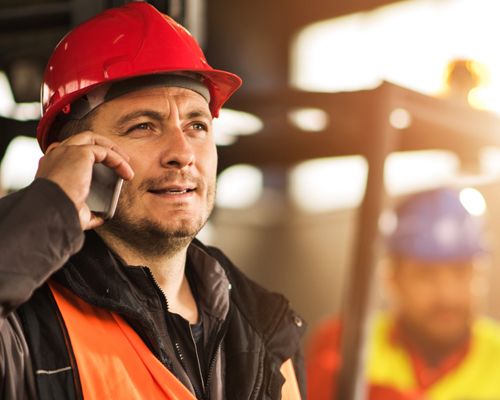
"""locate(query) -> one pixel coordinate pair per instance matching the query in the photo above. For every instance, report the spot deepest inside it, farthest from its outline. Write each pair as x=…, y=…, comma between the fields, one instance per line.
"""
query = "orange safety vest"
x=113, y=361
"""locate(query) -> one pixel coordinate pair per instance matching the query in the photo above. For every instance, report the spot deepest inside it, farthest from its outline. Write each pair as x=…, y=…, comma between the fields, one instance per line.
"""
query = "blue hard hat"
x=435, y=226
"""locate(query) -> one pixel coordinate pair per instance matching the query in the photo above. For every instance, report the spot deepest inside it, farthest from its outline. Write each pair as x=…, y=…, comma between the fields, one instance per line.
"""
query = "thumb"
x=89, y=220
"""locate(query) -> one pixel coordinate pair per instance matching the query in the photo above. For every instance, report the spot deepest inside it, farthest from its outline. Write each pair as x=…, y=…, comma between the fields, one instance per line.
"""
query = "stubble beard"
x=151, y=238
x=439, y=340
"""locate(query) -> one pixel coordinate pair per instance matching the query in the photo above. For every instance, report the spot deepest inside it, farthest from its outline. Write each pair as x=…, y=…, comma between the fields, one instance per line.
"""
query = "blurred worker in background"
x=135, y=307
x=431, y=343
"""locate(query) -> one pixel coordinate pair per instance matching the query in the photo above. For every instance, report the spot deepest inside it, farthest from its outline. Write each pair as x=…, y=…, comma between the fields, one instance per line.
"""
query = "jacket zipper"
x=220, y=337
x=181, y=358
x=260, y=377
x=177, y=346
x=197, y=357
x=210, y=370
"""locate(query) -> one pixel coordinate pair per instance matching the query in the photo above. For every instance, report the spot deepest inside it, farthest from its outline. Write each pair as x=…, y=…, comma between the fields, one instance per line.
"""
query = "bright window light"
x=309, y=119
x=7, y=102
x=489, y=159
x=388, y=222
x=339, y=183
x=410, y=43
x=473, y=201
x=20, y=163
x=10, y=109
x=26, y=111
x=232, y=123
x=412, y=171
x=329, y=184
x=400, y=118
x=239, y=186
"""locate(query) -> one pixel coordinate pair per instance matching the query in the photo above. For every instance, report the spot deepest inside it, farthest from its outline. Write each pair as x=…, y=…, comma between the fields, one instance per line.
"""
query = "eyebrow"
x=158, y=116
x=154, y=115
x=198, y=113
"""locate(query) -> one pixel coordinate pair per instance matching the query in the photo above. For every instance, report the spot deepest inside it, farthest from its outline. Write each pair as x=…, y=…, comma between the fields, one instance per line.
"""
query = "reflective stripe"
x=52, y=372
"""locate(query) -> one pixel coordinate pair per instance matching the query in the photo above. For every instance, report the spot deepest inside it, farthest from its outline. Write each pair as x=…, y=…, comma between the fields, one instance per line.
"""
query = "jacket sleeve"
x=39, y=231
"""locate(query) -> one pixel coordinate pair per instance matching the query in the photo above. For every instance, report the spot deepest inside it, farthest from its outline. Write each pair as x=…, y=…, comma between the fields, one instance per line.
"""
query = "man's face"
x=436, y=300
x=167, y=132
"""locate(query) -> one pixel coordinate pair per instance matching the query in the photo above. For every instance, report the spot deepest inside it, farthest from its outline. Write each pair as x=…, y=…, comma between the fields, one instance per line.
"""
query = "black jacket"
x=259, y=334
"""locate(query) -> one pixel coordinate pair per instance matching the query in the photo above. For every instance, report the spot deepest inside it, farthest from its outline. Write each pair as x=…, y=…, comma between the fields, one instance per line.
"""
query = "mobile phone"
x=105, y=189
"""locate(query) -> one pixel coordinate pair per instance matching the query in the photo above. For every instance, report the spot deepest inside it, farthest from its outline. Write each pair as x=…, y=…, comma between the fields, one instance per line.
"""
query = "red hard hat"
x=120, y=43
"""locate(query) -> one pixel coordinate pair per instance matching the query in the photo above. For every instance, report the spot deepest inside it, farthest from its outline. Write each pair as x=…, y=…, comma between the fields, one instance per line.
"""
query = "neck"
x=168, y=271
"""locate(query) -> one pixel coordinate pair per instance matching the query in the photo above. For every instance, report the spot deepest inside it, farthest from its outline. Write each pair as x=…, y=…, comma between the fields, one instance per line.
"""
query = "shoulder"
x=487, y=330
x=265, y=311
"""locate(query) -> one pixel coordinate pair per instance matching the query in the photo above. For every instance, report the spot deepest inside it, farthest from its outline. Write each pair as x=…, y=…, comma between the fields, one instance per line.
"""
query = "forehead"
x=159, y=98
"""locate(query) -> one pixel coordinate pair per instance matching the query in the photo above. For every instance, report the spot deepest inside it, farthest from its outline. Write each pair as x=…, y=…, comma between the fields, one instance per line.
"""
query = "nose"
x=177, y=151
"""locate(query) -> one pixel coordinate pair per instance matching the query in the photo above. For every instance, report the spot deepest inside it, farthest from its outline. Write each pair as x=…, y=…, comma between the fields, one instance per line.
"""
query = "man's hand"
x=69, y=164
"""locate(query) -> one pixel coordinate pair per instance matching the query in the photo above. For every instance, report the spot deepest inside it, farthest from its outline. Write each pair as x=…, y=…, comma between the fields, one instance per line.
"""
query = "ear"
x=481, y=281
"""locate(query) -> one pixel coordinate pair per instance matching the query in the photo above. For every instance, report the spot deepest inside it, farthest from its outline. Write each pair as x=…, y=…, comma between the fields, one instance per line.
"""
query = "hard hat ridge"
x=107, y=92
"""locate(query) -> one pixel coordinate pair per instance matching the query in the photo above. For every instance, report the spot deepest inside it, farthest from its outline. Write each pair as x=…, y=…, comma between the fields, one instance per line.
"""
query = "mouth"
x=172, y=190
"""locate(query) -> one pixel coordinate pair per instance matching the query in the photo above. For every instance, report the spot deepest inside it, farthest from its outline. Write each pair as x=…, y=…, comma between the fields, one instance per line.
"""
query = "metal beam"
x=435, y=124
x=381, y=142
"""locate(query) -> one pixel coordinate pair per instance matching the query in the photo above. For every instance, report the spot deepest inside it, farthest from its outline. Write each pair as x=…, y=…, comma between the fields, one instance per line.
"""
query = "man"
x=430, y=344
x=135, y=308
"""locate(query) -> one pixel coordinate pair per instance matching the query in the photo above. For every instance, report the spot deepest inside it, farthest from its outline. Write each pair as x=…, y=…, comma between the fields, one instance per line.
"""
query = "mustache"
x=170, y=177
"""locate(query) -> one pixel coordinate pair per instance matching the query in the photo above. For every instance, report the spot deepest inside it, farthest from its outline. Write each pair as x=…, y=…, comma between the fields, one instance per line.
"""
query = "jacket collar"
x=100, y=277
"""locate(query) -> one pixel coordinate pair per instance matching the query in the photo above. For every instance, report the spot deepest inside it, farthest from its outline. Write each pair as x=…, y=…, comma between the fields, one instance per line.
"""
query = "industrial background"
x=333, y=125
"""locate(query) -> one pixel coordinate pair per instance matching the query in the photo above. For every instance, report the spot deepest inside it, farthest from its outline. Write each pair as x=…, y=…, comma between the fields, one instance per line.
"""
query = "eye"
x=143, y=126
x=198, y=129
x=140, y=129
x=199, y=126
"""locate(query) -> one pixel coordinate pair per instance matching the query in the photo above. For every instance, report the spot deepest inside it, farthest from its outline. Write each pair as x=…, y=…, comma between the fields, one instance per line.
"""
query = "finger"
x=95, y=221
x=88, y=137
x=113, y=160
x=52, y=146
x=88, y=219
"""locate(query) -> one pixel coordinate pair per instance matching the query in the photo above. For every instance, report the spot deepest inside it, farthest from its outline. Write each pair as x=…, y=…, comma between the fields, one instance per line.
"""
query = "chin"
x=449, y=336
x=184, y=226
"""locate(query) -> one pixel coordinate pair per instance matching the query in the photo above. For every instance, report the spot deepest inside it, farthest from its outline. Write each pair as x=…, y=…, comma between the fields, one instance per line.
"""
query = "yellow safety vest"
x=477, y=377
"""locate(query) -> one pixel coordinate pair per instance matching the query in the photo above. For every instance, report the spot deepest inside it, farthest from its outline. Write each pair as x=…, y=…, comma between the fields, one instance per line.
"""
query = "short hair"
x=63, y=128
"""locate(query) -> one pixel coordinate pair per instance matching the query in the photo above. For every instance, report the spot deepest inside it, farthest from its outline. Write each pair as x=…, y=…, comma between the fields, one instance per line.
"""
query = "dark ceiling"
x=250, y=38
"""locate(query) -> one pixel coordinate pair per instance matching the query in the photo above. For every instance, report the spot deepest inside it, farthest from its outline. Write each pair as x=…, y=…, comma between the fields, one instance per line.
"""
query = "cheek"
x=417, y=296
x=142, y=171
x=141, y=159
x=207, y=162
